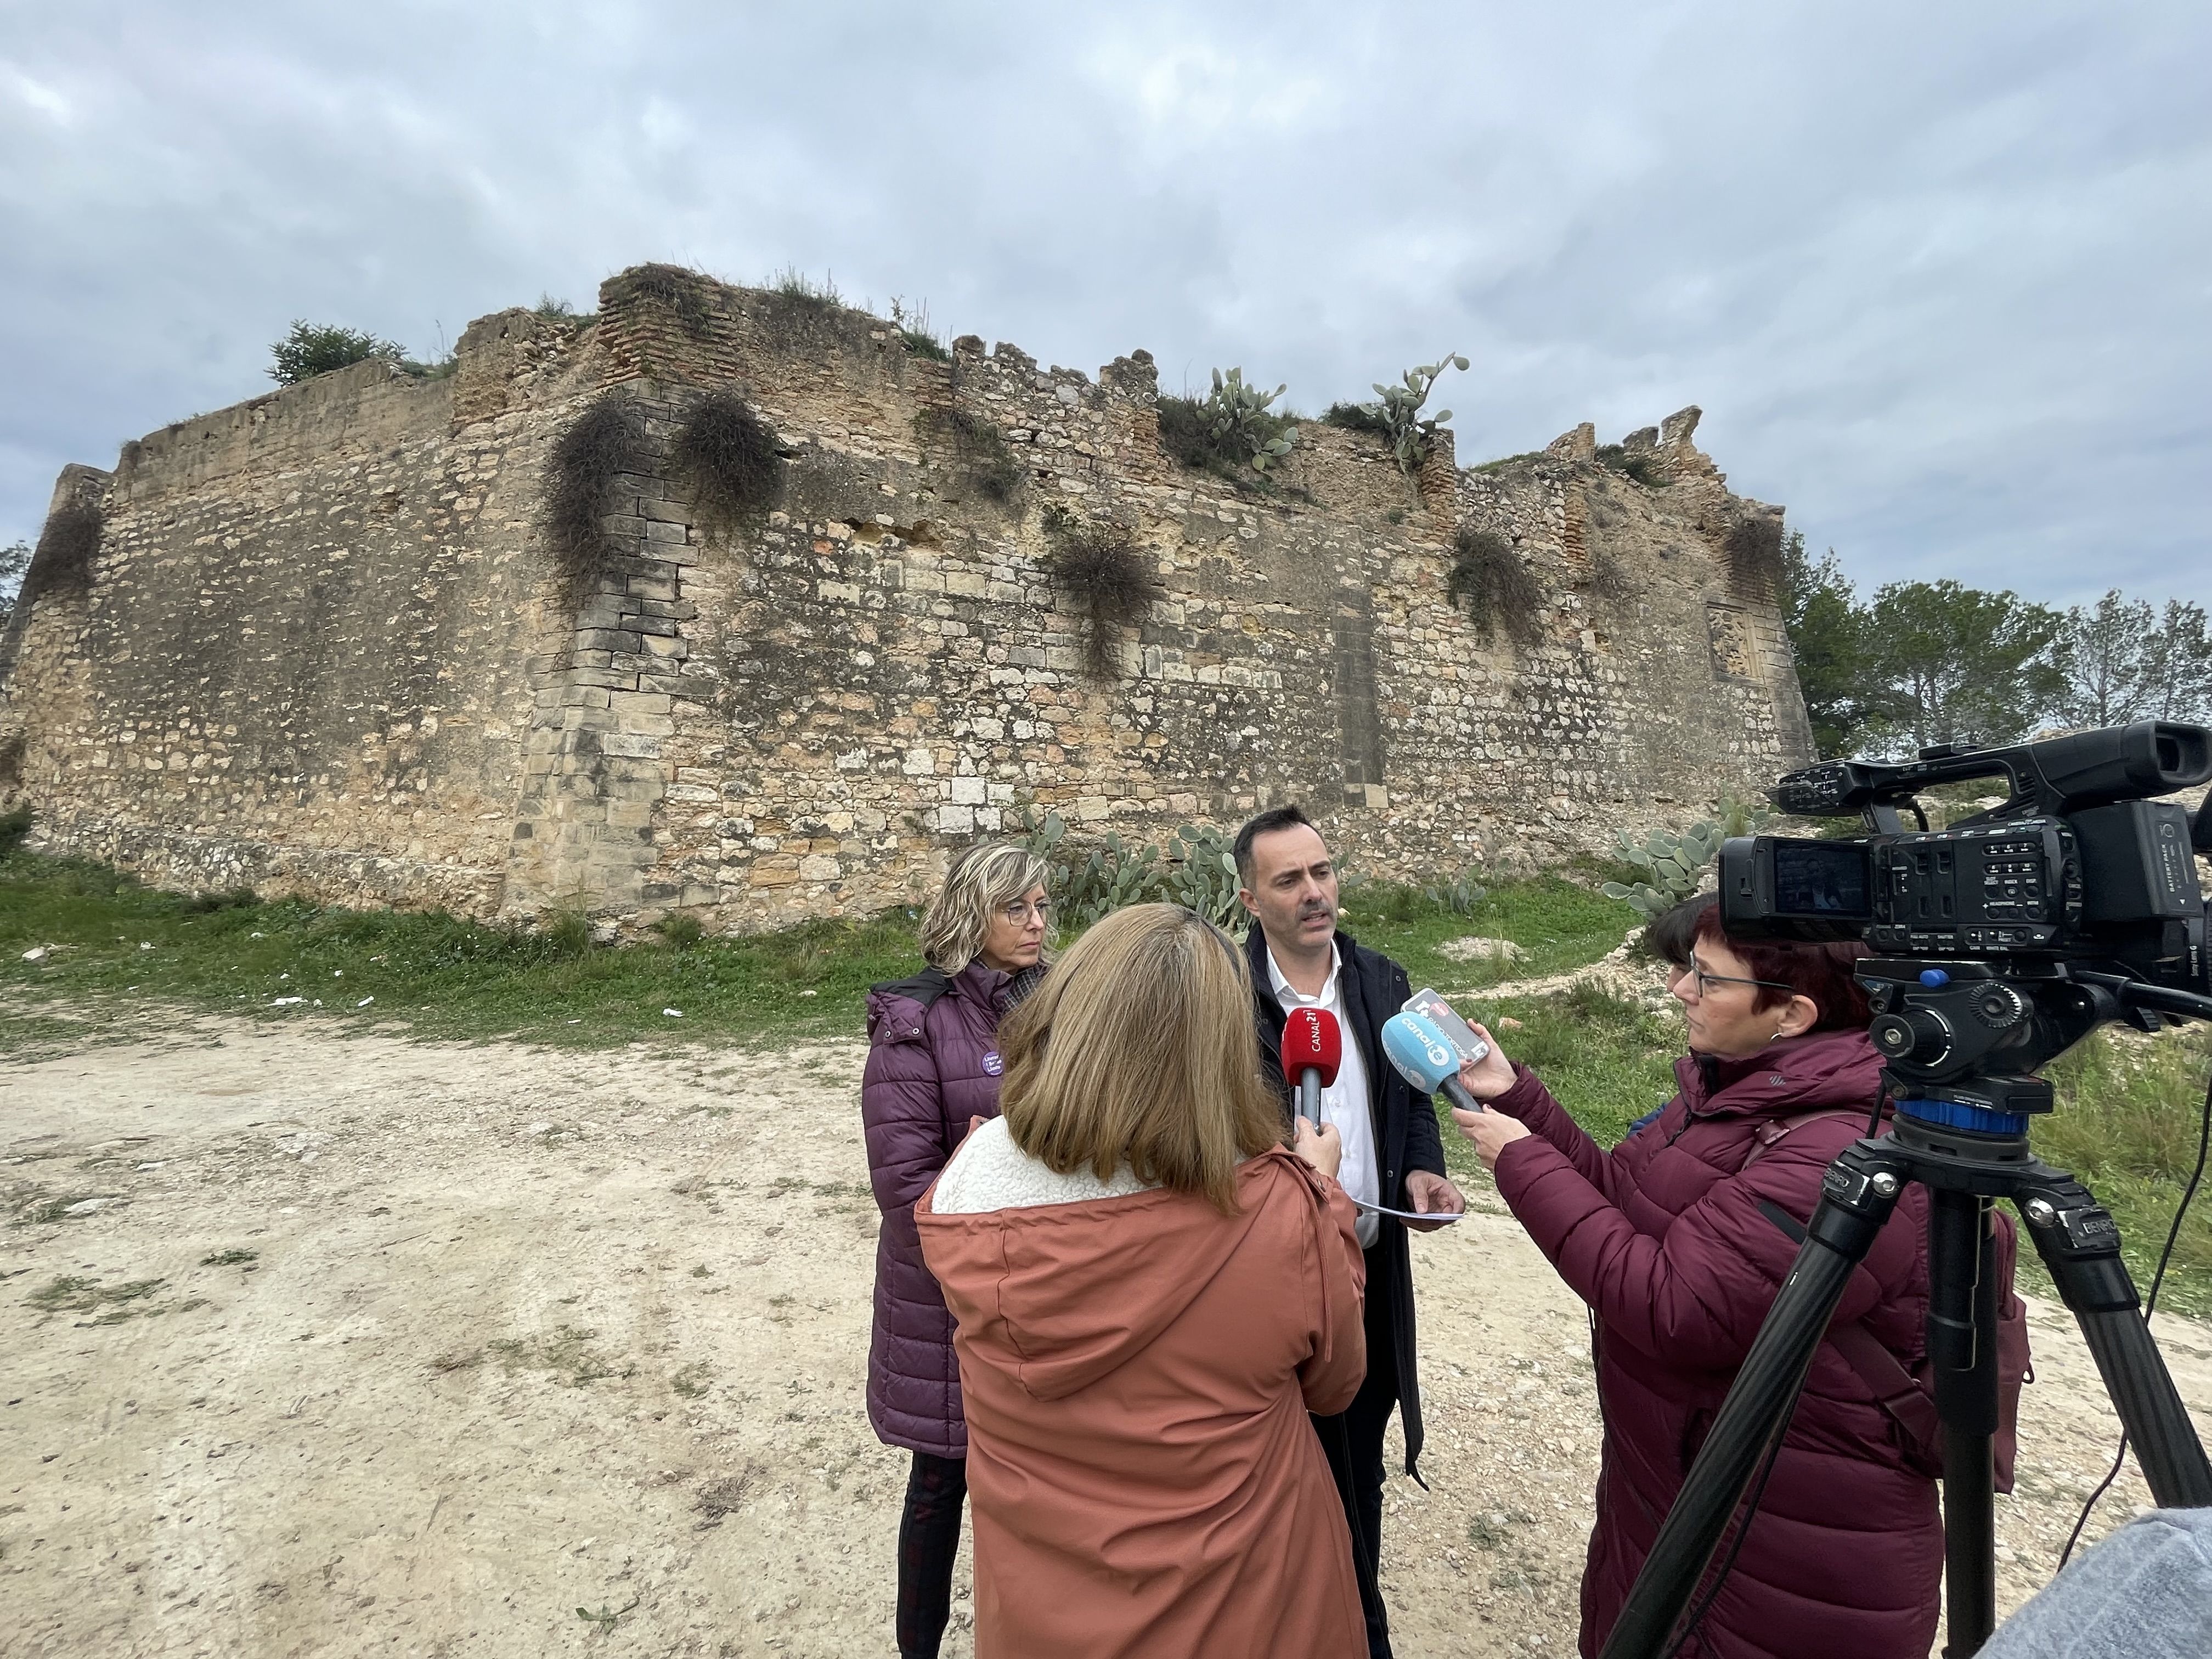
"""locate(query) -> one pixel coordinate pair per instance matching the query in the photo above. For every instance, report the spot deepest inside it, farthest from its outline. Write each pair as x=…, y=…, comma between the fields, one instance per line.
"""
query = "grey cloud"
x=1935, y=274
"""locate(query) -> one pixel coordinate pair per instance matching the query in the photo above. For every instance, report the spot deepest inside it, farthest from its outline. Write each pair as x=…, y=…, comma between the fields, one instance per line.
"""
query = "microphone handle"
x=1310, y=1096
x=1456, y=1091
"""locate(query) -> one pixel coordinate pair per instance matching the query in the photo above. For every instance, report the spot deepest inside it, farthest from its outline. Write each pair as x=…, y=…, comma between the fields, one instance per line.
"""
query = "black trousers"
x=928, y=1543
x=1353, y=1441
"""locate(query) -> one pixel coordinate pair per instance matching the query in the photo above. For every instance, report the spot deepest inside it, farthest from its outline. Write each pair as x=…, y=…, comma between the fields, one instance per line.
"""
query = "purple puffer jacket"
x=932, y=1064
x=1664, y=1238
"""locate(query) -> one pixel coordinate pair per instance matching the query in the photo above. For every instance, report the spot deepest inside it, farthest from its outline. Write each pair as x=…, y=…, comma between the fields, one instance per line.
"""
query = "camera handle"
x=2078, y=1242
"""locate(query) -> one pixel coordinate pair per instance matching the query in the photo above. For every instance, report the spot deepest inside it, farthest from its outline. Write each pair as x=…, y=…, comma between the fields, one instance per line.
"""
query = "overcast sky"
x=1940, y=276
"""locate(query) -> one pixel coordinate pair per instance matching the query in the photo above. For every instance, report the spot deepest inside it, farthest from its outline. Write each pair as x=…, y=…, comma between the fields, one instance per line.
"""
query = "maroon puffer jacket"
x=1664, y=1239
x=932, y=1064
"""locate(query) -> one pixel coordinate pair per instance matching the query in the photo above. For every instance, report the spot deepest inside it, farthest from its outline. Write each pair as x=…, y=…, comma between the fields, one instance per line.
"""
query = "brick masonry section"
x=323, y=650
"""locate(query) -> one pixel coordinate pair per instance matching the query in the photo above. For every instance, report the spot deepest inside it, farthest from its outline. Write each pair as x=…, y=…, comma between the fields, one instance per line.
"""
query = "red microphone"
x=1312, y=1046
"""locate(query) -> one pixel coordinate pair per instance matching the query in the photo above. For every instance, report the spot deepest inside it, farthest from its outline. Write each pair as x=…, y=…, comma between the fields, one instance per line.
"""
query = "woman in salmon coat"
x=1151, y=1295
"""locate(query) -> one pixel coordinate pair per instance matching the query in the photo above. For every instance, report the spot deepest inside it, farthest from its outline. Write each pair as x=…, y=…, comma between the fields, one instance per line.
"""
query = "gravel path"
x=332, y=1346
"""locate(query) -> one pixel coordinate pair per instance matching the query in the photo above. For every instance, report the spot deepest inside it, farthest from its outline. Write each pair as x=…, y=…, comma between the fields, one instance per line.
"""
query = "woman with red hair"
x=1678, y=1239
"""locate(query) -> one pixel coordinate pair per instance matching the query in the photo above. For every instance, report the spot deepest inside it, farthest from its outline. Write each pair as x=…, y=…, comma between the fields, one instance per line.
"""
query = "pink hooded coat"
x=1137, y=1371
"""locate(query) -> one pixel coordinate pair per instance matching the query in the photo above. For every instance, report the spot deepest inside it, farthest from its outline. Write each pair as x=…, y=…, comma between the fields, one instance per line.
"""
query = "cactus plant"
x=1202, y=876
x=1676, y=865
x=1237, y=420
x=1409, y=434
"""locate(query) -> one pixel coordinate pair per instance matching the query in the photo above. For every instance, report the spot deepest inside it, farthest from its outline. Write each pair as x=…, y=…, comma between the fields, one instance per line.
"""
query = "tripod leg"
x=1962, y=1313
x=1858, y=1194
x=2081, y=1247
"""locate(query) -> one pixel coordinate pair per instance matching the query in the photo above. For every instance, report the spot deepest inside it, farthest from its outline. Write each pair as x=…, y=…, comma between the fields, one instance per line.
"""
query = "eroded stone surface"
x=324, y=651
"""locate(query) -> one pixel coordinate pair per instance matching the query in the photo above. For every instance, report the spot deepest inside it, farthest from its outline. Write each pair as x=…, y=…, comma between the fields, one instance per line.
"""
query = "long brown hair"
x=1139, y=1048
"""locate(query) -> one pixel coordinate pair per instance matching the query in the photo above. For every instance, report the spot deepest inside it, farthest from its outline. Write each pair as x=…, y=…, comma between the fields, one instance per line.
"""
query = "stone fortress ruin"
x=330, y=640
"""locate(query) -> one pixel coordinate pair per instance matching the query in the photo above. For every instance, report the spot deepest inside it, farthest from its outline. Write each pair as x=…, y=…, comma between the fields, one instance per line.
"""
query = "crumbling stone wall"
x=323, y=650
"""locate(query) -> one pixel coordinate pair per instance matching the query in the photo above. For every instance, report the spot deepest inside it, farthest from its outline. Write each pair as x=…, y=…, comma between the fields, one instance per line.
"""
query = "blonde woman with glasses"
x=934, y=1064
x=1151, y=1293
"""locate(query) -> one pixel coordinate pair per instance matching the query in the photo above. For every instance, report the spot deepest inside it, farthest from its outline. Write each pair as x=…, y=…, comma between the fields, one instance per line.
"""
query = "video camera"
x=1999, y=940
x=2076, y=863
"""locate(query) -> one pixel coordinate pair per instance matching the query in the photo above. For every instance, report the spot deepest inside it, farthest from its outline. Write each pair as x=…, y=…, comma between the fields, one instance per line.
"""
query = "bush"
x=14, y=560
x=985, y=455
x=1197, y=871
x=62, y=564
x=1639, y=466
x=1489, y=581
x=792, y=283
x=14, y=826
x=1098, y=565
x=309, y=349
x=566, y=934
x=1357, y=417
x=681, y=931
x=682, y=291
x=731, y=458
x=206, y=904
x=1458, y=894
x=915, y=333
x=579, y=491
x=1753, y=549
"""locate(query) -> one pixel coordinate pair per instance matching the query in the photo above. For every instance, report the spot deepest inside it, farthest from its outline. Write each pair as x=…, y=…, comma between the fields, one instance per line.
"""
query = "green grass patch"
x=1559, y=925
x=1607, y=1061
x=107, y=937
x=112, y=1303
x=2127, y=1123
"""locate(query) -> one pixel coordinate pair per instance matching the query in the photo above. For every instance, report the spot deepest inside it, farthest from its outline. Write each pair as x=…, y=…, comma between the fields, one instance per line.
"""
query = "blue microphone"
x=1425, y=1058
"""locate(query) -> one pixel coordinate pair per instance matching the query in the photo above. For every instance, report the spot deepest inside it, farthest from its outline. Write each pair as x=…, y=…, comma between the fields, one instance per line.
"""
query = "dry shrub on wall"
x=988, y=457
x=60, y=564
x=1099, y=566
x=683, y=291
x=579, y=492
x=1489, y=581
x=731, y=459
x=1753, y=548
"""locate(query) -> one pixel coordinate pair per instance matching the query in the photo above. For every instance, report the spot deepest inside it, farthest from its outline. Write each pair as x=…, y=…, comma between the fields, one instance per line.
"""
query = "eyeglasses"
x=1018, y=912
x=1695, y=971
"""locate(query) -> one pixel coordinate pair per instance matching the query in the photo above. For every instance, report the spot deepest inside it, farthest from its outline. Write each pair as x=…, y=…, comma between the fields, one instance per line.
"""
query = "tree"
x=14, y=560
x=1962, y=665
x=311, y=349
x=2105, y=654
x=2178, y=665
x=1828, y=640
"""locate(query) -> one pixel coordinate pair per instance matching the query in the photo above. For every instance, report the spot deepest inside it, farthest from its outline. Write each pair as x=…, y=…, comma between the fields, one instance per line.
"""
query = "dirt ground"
x=325, y=1345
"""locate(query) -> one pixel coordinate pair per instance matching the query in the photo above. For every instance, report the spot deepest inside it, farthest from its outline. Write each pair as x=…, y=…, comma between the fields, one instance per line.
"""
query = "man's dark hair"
x=1274, y=819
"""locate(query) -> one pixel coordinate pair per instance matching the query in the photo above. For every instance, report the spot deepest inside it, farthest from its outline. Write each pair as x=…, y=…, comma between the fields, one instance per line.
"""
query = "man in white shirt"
x=1393, y=1151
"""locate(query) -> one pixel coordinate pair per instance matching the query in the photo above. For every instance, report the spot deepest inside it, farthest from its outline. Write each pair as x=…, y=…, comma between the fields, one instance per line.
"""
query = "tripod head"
x=1964, y=1040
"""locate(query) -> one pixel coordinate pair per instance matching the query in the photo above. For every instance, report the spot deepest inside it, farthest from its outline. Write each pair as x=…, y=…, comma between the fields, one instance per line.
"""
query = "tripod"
x=1965, y=1140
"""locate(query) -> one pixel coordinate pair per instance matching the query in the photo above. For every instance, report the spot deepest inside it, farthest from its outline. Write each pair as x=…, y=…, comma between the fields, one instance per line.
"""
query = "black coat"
x=1374, y=987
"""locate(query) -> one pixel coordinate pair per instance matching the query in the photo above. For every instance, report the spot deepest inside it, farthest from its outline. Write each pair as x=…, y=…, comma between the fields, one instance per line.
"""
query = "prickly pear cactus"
x=1675, y=865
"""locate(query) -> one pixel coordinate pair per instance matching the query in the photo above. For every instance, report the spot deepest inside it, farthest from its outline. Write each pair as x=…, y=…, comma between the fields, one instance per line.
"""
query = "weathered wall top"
x=325, y=642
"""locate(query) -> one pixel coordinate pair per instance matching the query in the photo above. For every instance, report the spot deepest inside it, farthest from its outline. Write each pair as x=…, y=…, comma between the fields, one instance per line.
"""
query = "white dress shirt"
x=1343, y=1102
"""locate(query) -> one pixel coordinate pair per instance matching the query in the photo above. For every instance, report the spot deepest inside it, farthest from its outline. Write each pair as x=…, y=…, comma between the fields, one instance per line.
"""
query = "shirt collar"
x=1287, y=993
